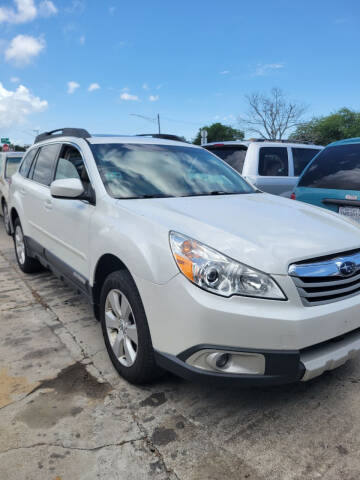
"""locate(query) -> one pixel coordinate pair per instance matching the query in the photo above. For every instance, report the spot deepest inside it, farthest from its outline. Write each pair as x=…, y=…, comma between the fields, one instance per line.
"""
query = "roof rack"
x=279, y=141
x=165, y=136
x=63, y=132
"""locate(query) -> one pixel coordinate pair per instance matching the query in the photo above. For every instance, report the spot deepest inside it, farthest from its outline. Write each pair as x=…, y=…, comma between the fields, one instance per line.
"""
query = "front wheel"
x=125, y=329
x=6, y=218
x=25, y=262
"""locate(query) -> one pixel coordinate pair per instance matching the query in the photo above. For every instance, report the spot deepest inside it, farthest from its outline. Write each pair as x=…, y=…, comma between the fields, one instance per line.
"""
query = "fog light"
x=225, y=362
x=222, y=360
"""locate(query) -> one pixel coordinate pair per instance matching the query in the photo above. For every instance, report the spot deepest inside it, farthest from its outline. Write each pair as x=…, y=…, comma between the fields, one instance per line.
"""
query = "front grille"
x=326, y=280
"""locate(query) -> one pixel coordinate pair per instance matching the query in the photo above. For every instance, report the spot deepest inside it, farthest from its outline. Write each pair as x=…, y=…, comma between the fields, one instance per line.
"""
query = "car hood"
x=264, y=231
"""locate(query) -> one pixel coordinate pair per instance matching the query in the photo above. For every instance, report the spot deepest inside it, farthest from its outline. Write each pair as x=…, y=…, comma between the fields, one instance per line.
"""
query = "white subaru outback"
x=189, y=268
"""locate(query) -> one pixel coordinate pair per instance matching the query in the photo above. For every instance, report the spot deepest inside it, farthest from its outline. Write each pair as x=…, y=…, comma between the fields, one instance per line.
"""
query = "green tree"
x=217, y=132
x=344, y=123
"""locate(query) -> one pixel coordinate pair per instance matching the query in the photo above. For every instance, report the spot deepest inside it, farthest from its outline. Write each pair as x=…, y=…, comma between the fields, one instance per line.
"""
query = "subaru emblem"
x=347, y=268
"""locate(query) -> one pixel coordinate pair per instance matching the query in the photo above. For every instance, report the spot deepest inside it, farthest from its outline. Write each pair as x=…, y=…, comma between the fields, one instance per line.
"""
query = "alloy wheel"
x=19, y=244
x=121, y=327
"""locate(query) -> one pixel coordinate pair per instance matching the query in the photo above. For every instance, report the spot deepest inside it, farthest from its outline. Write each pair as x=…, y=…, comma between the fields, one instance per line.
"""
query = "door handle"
x=48, y=204
x=22, y=191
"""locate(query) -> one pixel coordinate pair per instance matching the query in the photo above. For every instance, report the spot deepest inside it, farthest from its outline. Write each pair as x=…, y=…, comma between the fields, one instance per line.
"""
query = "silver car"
x=9, y=163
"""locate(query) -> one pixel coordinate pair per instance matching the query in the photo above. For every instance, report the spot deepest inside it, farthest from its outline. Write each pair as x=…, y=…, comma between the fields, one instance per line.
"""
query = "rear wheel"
x=25, y=262
x=125, y=329
x=6, y=218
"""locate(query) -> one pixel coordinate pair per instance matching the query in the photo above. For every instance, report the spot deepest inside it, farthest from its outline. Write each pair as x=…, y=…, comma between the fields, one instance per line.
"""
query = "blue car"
x=332, y=179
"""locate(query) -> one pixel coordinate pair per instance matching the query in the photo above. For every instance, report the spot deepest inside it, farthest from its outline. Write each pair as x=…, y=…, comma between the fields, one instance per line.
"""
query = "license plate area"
x=352, y=212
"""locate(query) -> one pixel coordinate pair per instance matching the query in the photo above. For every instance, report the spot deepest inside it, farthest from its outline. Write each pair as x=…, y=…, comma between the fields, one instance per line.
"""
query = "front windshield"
x=145, y=171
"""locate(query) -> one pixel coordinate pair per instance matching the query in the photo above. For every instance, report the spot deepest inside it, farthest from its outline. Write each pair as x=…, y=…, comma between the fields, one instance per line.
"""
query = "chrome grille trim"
x=321, y=282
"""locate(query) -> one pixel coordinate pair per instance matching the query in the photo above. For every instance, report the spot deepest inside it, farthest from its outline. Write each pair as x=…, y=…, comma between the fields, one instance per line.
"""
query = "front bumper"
x=298, y=342
x=281, y=367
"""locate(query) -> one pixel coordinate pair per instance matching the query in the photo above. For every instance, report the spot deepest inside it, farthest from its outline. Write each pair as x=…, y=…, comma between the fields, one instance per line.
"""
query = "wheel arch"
x=13, y=216
x=107, y=263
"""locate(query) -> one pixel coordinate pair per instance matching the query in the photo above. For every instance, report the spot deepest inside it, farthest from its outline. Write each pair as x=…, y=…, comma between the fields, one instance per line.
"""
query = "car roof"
x=268, y=143
x=345, y=141
x=102, y=139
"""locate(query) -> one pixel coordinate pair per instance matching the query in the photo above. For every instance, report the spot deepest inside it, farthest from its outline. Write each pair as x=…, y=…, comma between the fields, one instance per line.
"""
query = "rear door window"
x=302, y=157
x=26, y=163
x=232, y=155
x=334, y=168
x=273, y=162
x=44, y=169
x=12, y=164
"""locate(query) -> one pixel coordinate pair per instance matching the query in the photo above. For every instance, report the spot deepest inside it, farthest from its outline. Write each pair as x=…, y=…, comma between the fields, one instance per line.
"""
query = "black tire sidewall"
x=30, y=265
x=144, y=368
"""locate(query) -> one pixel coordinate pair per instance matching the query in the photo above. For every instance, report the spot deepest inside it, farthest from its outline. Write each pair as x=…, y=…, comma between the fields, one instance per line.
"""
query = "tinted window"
x=273, y=162
x=301, y=157
x=132, y=170
x=335, y=168
x=43, y=171
x=234, y=156
x=26, y=164
x=12, y=164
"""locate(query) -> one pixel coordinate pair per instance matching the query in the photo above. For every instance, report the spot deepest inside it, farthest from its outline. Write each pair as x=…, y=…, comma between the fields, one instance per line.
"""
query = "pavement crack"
x=70, y=447
x=152, y=447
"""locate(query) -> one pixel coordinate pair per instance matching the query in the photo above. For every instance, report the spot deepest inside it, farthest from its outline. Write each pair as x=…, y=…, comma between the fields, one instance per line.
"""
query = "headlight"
x=218, y=273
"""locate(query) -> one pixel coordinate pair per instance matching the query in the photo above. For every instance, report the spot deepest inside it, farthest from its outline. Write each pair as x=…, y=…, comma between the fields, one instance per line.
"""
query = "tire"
x=125, y=329
x=26, y=263
x=6, y=218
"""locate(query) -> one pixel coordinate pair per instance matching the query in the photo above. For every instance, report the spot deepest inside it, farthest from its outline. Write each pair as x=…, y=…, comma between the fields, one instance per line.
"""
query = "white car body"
x=271, y=341
x=282, y=183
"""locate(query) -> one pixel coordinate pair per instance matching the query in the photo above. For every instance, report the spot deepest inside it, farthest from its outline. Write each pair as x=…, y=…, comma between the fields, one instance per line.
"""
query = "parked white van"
x=271, y=166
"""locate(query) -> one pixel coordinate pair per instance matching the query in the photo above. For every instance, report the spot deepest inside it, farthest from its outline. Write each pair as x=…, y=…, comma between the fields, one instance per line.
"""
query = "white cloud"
x=93, y=86
x=145, y=86
x=263, y=69
x=26, y=11
x=127, y=96
x=77, y=6
x=154, y=98
x=14, y=79
x=72, y=86
x=82, y=40
x=16, y=105
x=225, y=72
x=47, y=8
x=23, y=48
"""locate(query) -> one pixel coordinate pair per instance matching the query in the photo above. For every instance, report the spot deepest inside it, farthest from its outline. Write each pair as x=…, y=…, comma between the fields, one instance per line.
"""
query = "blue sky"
x=190, y=61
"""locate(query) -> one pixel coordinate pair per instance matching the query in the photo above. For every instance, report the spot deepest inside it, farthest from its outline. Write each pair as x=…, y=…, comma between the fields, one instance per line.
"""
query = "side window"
x=12, y=164
x=45, y=162
x=273, y=162
x=302, y=156
x=71, y=165
x=27, y=161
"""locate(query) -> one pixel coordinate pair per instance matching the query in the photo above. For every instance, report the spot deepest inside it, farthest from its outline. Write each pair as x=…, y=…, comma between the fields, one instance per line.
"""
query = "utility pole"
x=150, y=119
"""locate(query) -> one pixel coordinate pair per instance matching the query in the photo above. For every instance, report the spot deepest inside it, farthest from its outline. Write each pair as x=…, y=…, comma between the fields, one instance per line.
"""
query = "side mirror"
x=66, y=188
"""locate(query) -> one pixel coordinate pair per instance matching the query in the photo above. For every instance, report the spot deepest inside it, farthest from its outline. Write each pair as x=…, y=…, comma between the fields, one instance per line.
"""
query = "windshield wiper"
x=213, y=192
x=153, y=195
